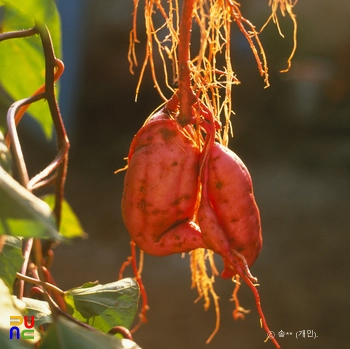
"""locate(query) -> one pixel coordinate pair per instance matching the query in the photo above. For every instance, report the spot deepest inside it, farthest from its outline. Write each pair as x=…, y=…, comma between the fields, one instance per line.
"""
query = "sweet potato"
x=228, y=216
x=161, y=188
x=167, y=176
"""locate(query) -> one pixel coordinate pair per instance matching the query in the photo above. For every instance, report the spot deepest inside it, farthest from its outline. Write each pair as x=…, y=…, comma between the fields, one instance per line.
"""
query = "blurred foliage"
x=22, y=67
x=23, y=215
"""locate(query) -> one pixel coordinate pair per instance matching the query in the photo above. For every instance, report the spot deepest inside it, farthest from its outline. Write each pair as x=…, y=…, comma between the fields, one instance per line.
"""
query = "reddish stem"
x=27, y=248
x=57, y=297
x=121, y=330
x=237, y=261
x=258, y=306
x=186, y=96
x=144, y=307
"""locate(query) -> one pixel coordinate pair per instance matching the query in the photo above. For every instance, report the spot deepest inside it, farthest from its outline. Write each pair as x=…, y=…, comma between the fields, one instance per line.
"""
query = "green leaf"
x=22, y=65
x=65, y=334
x=104, y=306
x=9, y=306
x=40, y=10
x=39, y=309
x=5, y=156
x=11, y=259
x=22, y=213
x=70, y=225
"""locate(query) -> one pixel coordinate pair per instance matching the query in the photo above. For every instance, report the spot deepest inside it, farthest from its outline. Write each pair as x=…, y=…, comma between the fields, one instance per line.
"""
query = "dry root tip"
x=239, y=312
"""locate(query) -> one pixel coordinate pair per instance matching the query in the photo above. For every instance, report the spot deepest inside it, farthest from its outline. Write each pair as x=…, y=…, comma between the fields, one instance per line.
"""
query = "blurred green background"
x=294, y=137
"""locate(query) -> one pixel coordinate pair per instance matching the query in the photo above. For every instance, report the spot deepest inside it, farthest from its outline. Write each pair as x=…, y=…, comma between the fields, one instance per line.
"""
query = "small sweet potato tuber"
x=231, y=196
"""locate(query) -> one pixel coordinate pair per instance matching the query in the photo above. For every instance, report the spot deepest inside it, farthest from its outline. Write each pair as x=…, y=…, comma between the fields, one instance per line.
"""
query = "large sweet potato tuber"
x=161, y=188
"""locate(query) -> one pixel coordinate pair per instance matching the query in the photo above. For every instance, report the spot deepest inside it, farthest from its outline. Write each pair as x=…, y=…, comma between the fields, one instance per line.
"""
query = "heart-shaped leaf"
x=104, y=306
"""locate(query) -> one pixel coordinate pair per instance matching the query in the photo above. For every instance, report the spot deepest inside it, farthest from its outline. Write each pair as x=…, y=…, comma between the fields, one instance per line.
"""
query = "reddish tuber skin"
x=161, y=188
x=230, y=193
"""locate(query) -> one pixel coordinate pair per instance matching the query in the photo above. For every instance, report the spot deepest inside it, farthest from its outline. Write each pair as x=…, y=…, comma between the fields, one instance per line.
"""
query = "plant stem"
x=17, y=154
x=27, y=249
x=62, y=139
x=47, y=285
x=18, y=34
x=16, y=149
x=186, y=95
x=121, y=330
x=18, y=108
